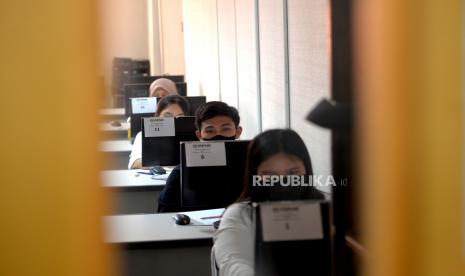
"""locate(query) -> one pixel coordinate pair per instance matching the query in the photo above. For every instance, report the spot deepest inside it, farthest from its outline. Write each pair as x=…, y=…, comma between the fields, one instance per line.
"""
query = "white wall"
x=247, y=68
x=201, y=48
x=272, y=64
x=227, y=51
x=153, y=36
x=171, y=37
x=309, y=74
x=274, y=67
x=123, y=32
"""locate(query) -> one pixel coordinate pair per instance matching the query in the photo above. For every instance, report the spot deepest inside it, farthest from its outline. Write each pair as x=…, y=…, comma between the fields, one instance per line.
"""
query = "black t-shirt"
x=170, y=196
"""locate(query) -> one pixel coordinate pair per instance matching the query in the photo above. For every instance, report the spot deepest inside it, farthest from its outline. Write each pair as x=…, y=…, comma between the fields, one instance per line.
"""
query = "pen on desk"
x=213, y=217
x=145, y=173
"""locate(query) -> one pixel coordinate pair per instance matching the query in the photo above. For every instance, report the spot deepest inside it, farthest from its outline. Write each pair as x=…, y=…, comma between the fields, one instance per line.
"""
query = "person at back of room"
x=162, y=87
x=214, y=121
x=274, y=152
x=169, y=106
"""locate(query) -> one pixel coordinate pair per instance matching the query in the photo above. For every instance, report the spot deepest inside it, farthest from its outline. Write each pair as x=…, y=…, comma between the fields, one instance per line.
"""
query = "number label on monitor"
x=291, y=221
x=202, y=154
x=159, y=127
x=144, y=105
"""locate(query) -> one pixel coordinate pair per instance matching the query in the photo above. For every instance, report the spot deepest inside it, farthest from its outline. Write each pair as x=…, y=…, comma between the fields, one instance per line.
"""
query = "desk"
x=154, y=245
x=116, y=154
x=115, y=132
x=112, y=113
x=132, y=193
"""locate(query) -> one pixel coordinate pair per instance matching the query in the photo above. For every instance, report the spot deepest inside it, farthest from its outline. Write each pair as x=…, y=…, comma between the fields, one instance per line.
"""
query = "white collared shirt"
x=235, y=241
x=136, y=152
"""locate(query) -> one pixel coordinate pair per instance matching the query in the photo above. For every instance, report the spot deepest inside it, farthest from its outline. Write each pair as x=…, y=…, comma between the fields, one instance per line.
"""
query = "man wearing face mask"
x=214, y=121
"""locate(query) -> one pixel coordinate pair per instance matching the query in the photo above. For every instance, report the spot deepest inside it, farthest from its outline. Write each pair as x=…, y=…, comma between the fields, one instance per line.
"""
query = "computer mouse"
x=216, y=224
x=115, y=123
x=181, y=219
x=157, y=170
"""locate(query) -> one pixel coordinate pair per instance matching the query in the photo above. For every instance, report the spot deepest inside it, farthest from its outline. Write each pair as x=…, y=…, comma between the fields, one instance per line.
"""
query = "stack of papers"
x=205, y=217
x=161, y=176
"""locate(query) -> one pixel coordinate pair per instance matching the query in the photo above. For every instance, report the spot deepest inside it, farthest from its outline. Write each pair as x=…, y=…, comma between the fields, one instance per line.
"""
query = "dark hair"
x=170, y=100
x=215, y=108
x=264, y=146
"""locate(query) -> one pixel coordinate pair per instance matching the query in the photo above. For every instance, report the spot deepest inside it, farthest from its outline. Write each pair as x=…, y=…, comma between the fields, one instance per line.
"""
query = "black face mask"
x=220, y=138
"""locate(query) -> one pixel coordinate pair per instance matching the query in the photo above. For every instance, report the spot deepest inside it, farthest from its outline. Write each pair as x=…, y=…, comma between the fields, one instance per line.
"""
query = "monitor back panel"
x=182, y=88
x=293, y=257
x=164, y=151
x=195, y=102
x=214, y=186
x=136, y=119
x=139, y=90
x=136, y=122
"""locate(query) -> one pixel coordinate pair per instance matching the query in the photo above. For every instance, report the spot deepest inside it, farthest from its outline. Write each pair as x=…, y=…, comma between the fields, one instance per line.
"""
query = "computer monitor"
x=137, y=90
x=140, y=67
x=162, y=148
x=212, y=173
x=182, y=88
x=292, y=237
x=194, y=103
x=136, y=122
x=142, y=107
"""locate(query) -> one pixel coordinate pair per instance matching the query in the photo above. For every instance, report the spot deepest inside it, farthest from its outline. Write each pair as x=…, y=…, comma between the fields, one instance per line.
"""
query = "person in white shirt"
x=273, y=152
x=169, y=106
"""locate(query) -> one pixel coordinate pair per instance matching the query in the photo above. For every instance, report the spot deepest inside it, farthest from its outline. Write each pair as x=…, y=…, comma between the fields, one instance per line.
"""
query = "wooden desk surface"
x=152, y=228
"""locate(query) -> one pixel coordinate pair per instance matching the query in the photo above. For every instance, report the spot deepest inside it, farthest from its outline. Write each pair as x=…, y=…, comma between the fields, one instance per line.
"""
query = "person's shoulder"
x=238, y=211
x=176, y=171
x=138, y=138
x=174, y=176
x=239, y=206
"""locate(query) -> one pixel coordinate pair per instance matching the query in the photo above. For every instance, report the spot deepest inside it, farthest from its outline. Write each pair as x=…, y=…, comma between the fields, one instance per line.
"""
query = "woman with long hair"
x=277, y=152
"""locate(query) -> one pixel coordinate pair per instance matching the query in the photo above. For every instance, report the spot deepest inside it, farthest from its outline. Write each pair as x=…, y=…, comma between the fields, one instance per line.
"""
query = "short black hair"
x=215, y=108
x=172, y=99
